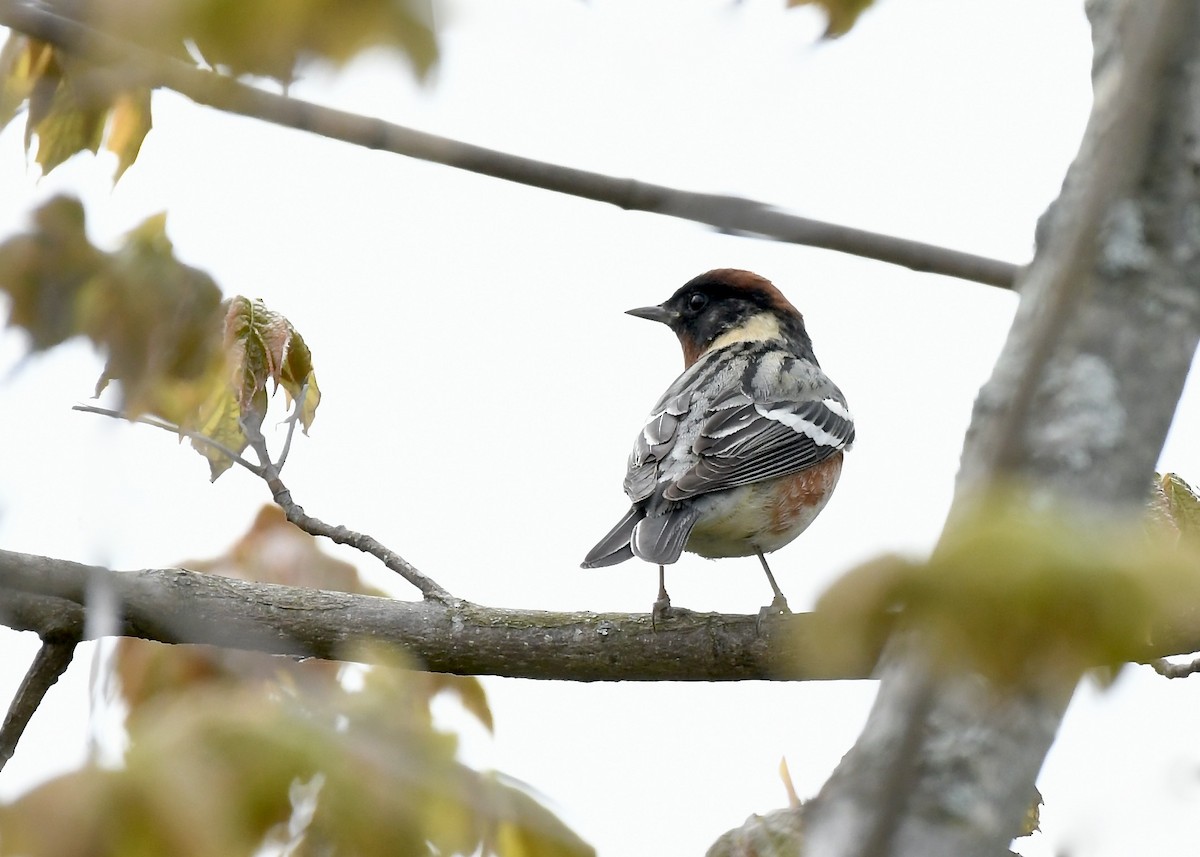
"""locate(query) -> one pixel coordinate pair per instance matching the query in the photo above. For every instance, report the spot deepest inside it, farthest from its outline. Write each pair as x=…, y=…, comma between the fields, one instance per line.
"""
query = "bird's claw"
x=777, y=607
x=663, y=611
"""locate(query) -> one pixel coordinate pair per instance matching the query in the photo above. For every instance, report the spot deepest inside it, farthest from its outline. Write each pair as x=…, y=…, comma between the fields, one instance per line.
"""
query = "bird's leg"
x=779, y=603
x=662, y=605
x=663, y=609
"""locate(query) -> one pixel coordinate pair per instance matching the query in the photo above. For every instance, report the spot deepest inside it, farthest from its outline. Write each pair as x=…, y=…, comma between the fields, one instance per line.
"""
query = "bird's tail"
x=615, y=547
x=660, y=538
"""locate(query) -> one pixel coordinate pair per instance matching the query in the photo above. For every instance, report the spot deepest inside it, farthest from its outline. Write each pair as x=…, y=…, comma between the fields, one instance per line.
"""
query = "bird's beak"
x=654, y=313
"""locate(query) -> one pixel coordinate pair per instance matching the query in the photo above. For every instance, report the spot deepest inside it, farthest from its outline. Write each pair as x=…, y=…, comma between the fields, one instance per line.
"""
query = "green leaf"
x=48, y=271
x=263, y=346
x=523, y=827
x=271, y=37
x=841, y=15
x=159, y=321
x=128, y=124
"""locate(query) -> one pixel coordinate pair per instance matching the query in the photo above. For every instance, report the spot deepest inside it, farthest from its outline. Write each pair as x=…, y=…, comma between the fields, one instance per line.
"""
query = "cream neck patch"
x=758, y=328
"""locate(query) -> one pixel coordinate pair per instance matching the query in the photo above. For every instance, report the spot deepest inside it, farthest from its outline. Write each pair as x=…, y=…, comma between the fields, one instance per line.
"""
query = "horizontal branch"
x=727, y=213
x=175, y=605
x=180, y=606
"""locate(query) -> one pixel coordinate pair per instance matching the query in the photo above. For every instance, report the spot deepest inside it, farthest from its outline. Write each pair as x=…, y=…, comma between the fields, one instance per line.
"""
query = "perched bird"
x=744, y=449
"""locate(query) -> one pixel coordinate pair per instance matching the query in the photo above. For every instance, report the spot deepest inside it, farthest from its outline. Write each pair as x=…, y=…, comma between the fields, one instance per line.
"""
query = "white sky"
x=482, y=385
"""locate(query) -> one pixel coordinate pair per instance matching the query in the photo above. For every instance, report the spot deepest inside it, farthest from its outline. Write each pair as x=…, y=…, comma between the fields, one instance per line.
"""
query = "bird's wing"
x=654, y=443
x=747, y=438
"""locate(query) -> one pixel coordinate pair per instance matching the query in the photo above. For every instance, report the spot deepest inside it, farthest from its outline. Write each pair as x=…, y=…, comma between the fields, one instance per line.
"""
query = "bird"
x=744, y=449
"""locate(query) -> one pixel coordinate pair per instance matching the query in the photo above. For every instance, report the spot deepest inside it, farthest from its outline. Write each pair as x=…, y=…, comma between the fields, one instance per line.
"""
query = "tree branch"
x=269, y=472
x=181, y=606
x=1077, y=411
x=48, y=665
x=175, y=605
x=727, y=213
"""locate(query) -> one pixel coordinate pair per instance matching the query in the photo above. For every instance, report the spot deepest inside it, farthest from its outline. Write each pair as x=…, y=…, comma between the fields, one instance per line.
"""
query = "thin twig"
x=296, y=415
x=295, y=514
x=731, y=214
x=166, y=425
x=268, y=471
x=48, y=665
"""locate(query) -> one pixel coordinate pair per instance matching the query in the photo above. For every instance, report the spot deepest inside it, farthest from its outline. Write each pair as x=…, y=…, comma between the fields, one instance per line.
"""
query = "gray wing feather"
x=652, y=445
x=758, y=440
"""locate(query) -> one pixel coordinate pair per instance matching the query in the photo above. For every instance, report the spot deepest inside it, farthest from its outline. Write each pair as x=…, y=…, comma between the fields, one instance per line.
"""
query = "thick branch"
x=1077, y=410
x=727, y=213
x=175, y=605
x=181, y=606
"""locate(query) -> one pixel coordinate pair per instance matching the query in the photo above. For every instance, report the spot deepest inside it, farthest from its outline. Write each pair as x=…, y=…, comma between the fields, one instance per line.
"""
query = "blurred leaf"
x=840, y=14
x=468, y=690
x=72, y=123
x=128, y=126
x=272, y=551
x=1012, y=590
x=22, y=63
x=45, y=272
x=270, y=37
x=69, y=105
x=523, y=827
x=159, y=322
x=214, y=771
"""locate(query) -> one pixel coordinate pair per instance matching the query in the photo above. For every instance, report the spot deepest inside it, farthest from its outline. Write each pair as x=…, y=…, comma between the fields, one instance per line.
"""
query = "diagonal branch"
x=268, y=471
x=48, y=665
x=727, y=213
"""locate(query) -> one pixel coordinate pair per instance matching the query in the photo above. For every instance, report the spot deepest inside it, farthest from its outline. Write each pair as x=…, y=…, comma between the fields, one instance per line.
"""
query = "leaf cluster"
x=75, y=104
x=174, y=347
x=69, y=106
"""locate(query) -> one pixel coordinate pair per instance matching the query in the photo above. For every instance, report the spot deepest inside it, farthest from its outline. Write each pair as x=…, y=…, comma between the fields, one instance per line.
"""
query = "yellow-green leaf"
x=1014, y=590
x=840, y=14
x=128, y=124
x=468, y=691
x=523, y=827
x=220, y=420
x=46, y=272
x=261, y=346
x=159, y=321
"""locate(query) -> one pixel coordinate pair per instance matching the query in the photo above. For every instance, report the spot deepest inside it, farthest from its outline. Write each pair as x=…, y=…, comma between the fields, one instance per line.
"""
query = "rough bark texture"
x=52, y=597
x=1077, y=409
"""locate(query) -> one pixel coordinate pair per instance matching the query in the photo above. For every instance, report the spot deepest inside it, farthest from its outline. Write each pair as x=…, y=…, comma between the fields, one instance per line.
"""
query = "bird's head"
x=725, y=306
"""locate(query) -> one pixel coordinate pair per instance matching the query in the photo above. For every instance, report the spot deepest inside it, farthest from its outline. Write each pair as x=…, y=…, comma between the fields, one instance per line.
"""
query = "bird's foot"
x=777, y=607
x=663, y=611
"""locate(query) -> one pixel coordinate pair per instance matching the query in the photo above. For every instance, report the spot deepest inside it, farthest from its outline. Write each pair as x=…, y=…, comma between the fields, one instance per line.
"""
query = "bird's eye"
x=697, y=302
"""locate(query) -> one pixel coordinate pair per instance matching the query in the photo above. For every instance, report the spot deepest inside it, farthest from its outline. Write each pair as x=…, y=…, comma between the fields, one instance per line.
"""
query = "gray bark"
x=1077, y=410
